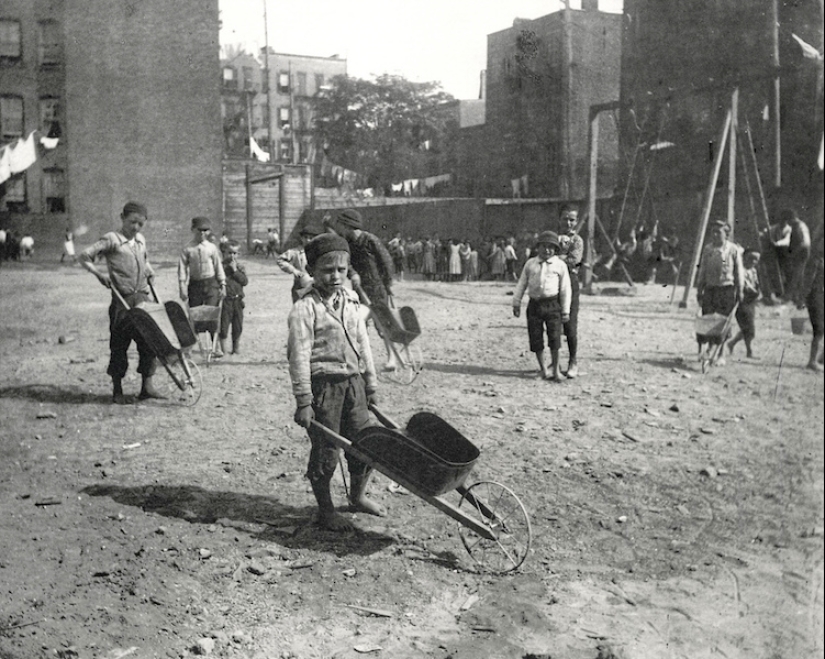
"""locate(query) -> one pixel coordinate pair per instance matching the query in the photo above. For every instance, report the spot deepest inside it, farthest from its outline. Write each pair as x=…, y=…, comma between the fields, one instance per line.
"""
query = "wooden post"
x=591, y=198
x=734, y=122
x=248, y=184
x=703, y=223
x=775, y=99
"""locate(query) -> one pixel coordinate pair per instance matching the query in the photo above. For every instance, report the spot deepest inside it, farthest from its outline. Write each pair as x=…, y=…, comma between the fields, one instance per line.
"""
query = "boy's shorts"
x=816, y=312
x=340, y=404
x=544, y=314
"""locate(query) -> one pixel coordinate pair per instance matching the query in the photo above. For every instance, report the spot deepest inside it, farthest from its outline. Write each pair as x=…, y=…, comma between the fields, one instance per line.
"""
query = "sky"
x=421, y=40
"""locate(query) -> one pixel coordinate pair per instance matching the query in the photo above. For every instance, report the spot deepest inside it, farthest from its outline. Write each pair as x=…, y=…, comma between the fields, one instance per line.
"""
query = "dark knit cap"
x=323, y=244
x=548, y=238
x=349, y=218
x=200, y=223
x=134, y=207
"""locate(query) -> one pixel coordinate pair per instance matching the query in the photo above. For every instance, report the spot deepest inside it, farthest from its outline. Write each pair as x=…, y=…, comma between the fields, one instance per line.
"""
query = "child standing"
x=233, y=303
x=332, y=373
x=293, y=261
x=814, y=291
x=746, y=311
x=546, y=280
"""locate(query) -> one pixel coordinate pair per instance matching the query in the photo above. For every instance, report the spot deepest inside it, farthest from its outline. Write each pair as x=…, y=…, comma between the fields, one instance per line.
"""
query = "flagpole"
x=268, y=86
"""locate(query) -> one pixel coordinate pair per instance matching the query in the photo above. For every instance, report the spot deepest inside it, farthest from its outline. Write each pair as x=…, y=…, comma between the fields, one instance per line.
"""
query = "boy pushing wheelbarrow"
x=719, y=286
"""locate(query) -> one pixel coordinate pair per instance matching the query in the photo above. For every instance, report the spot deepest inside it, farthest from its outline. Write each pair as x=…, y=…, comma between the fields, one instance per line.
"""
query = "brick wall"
x=143, y=114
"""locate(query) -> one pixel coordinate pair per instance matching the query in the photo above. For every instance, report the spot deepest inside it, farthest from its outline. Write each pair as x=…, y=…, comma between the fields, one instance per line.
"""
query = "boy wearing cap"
x=746, y=311
x=571, y=251
x=233, y=303
x=372, y=265
x=332, y=373
x=201, y=276
x=128, y=273
x=720, y=280
x=546, y=280
x=294, y=262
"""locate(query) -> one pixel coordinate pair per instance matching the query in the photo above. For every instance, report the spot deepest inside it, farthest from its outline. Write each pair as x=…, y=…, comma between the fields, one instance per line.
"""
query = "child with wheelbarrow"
x=129, y=274
x=332, y=373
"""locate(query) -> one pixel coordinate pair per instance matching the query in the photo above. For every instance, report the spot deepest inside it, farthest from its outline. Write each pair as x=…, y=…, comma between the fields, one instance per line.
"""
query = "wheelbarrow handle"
x=383, y=418
x=363, y=295
x=119, y=296
x=154, y=294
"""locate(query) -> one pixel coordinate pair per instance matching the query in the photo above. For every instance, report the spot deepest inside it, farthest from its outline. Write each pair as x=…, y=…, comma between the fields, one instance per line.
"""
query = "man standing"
x=129, y=274
x=572, y=252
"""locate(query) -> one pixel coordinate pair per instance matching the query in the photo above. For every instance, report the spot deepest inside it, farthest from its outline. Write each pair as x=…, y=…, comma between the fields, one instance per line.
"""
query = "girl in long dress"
x=428, y=259
x=455, y=261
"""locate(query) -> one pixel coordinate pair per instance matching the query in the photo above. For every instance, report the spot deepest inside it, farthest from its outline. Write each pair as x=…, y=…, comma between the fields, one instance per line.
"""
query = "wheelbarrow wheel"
x=506, y=519
x=407, y=359
x=184, y=385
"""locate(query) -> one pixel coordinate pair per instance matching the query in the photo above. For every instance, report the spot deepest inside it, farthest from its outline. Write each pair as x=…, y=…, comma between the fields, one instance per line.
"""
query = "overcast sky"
x=422, y=40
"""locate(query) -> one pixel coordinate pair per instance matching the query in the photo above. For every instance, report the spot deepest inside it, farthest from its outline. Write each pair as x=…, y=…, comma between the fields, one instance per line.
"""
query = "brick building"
x=680, y=64
x=132, y=90
x=294, y=80
x=542, y=77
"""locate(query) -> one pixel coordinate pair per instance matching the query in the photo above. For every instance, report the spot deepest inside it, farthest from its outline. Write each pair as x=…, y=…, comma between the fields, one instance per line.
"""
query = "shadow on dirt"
x=288, y=526
x=49, y=393
x=470, y=369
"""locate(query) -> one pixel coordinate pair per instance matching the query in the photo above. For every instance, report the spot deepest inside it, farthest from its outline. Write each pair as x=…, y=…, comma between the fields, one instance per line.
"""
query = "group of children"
x=728, y=282
x=331, y=367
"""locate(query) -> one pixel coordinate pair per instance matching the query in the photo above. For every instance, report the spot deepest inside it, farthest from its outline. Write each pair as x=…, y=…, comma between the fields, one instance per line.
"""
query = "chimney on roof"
x=482, y=87
x=590, y=5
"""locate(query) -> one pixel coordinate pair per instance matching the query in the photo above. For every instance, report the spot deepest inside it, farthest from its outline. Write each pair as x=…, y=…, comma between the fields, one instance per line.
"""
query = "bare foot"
x=367, y=505
x=334, y=522
x=554, y=378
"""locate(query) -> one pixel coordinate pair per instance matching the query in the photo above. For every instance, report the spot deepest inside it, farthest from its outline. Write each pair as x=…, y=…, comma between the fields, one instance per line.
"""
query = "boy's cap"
x=323, y=244
x=134, y=207
x=349, y=218
x=720, y=224
x=200, y=223
x=548, y=238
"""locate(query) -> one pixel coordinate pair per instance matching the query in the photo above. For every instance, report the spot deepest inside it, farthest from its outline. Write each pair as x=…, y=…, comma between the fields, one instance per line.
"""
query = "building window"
x=11, y=117
x=10, y=48
x=301, y=118
x=283, y=83
x=54, y=190
x=248, y=83
x=49, y=43
x=283, y=118
x=13, y=194
x=50, y=116
x=302, y=83
x=285, y=150
x=319, y=82
x=304, y=151
x=229, y=81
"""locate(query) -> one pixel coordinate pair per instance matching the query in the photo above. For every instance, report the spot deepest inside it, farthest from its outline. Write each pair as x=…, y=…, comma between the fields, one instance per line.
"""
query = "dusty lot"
x=674, y=514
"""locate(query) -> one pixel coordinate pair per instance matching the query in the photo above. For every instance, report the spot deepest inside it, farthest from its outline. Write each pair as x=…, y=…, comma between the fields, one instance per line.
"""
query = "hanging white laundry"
x=257, y=152
x=397, y=187
x=23, y=154
x=516, y=185
x=5, y=164
x=49, y=142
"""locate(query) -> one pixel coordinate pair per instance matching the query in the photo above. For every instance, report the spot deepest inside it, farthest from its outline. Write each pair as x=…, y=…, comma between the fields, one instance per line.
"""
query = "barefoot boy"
x=746, y=311
x=332, y=372
x=546, y=280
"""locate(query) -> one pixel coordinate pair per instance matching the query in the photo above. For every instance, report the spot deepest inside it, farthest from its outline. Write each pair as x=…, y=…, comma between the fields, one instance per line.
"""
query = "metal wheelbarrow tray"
x=430, y=458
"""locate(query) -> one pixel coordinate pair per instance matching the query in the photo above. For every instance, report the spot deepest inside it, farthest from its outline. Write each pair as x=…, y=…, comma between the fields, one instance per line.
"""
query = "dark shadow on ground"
x=49, y=393
x=471, y=369
x=262, y=517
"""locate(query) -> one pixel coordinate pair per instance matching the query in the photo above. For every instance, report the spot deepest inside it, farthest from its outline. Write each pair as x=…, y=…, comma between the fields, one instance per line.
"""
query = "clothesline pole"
x=703, y=223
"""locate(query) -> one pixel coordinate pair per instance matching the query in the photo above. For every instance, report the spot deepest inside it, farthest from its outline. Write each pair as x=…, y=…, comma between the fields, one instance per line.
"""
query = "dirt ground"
x=674, y=514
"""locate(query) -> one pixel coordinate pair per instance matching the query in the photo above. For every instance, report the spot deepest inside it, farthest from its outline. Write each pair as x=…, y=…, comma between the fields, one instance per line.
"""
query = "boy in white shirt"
x=546, y=281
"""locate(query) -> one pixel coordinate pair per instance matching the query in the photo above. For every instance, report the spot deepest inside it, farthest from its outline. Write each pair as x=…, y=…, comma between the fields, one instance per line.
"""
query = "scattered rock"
x=710, y=472
x=256, y=568
x=204, y=646
x=674, y=408
x=46, y=415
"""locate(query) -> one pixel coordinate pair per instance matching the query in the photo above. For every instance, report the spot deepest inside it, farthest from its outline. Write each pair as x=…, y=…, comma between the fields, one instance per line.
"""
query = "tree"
x=388, y=129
